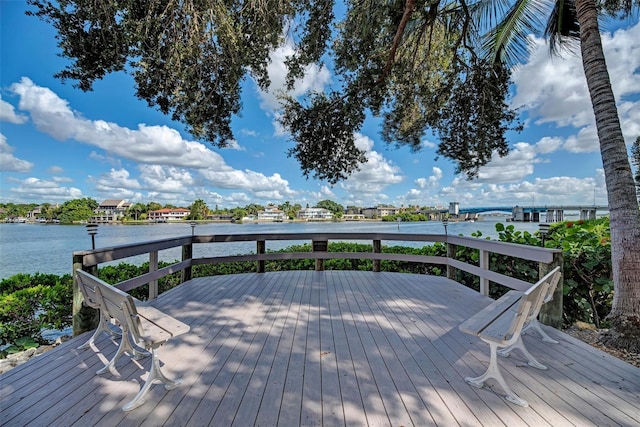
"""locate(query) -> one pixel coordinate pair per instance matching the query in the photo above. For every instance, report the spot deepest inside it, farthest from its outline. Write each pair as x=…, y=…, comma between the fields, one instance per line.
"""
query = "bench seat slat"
x=501, y=330
x=151, y=333
x=479, y=321
x=157, y=318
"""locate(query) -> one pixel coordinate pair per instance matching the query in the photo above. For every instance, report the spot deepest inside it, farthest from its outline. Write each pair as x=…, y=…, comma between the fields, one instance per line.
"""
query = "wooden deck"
x=323, y=348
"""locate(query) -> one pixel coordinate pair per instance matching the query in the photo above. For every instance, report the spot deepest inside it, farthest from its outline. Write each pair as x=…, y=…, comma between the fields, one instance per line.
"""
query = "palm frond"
x=507, y=41
x=563, y=30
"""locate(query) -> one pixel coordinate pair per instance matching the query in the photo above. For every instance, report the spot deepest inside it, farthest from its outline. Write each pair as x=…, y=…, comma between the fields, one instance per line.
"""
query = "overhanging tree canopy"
x=408, y=62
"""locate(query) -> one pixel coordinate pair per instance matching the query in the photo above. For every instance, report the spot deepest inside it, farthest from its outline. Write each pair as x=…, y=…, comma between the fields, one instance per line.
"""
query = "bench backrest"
x=532, y=301
x=551, y=279
x=88, y=290
x=116, y=304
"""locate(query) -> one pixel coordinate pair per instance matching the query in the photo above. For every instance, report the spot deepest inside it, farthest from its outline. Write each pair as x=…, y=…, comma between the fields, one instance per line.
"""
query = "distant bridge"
x=505, y=209
x=551, y=213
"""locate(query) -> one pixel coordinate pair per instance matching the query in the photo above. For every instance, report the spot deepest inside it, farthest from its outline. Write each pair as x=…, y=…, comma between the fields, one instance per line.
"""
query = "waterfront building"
x=110, y=210
x=166, y=214
x=271, y=213
x=314, y=214
x=380, y=211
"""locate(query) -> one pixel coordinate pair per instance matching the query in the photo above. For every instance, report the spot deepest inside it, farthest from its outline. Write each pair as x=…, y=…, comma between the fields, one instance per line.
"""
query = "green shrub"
x=20, y=344
x=588, y=283
x=29, y=303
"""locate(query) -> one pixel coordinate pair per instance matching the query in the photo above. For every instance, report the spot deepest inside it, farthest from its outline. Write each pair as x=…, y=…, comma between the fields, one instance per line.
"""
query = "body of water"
x=47, y=248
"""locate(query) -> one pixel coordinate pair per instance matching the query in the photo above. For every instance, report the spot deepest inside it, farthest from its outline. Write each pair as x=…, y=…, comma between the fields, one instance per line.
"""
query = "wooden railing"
x=547, y=259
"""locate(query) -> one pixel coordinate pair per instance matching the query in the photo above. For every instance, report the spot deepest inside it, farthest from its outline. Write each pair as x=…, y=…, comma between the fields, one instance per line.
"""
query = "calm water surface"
x=45, y=248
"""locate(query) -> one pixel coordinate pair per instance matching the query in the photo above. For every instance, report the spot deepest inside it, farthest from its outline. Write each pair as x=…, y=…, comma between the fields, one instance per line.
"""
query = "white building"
x=271, y=213
x=311, y=214
x=454, y=208
x=110, y=210
x=166, y=214
x=380, y=211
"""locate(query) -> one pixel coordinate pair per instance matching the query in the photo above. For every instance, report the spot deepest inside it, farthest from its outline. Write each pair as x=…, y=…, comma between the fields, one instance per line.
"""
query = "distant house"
x=353, y=217
x=271, y=213
x=380, y=211
x=167, y=214
x=314, y=214
x=34, y=214
x=110, y=210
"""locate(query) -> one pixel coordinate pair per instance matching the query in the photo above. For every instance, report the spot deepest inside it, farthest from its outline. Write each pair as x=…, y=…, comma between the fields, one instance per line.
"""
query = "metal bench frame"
x=142, y=325
x=500, y=325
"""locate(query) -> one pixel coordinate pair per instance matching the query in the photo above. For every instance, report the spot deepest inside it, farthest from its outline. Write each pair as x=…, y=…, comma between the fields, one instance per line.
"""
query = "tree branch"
x=408, y=11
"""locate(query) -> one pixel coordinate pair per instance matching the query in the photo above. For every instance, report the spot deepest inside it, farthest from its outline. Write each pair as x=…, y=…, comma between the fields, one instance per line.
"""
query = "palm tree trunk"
x=623, y=205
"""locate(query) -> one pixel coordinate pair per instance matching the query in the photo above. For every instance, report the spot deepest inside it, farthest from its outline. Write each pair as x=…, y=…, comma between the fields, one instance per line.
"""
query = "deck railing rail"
x=91, y=259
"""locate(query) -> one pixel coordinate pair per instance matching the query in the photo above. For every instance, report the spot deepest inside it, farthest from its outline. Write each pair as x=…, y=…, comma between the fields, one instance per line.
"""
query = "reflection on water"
x=30, y=248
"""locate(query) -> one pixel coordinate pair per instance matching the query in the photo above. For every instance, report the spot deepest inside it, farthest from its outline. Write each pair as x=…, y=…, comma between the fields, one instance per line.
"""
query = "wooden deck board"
x=323, y=348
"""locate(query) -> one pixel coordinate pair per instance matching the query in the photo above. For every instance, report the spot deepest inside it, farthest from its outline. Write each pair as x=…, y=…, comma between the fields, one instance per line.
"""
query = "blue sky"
x=58, y=143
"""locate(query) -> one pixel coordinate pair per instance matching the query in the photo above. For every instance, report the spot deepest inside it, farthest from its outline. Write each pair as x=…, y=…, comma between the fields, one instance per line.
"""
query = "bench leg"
x=534, y=324
x=103, y=326
x=519, y=344
x=125, y=347
x=155, y=375
x=494, y=372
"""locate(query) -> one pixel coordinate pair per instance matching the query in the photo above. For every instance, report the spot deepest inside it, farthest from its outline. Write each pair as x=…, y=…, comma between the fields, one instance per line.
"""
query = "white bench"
x=104, y=324
x=147, y=326
x=532, y=322
x=500, y=325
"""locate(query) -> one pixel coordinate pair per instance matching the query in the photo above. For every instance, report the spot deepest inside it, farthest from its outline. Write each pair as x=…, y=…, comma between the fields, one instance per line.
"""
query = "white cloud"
x=35, y=190
x=373, y=176
x=548, y=145
x=61, y=179
x=585, y=141
x=429, y=144
x=166, y=179
x=540, y=191
x=116, y=179
x=232, y=144
x=9, y=162
x=147, y=144
x=253, y=182
x=238, y=199
x=105, y=159
x=167, y=160
x=8, y=114
x=55, y=170
x=314, y=78
x=554, y=89
x=630, y=111
x=431, y=182
x=513, y=167
x=327, y=193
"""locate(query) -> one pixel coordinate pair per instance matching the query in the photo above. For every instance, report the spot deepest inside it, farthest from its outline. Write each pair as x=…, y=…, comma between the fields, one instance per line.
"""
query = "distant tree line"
x=78, y=210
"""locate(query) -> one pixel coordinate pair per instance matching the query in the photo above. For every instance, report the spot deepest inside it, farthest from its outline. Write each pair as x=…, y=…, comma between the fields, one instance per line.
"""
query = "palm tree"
x=138, y=209
x=578, y=20
x=199, y=210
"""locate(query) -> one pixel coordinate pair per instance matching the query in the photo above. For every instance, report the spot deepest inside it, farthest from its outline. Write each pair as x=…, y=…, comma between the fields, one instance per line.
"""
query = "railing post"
x=261, y=248
x=187, y=253
x=451, y=254
x=320, y=246
x=484, y=264
x=83, y=318
x=551, y=312
x=377, y=248
x=153, y=266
